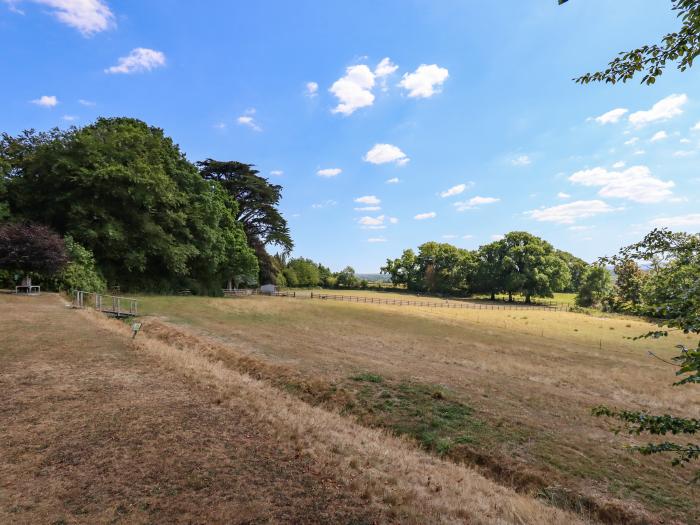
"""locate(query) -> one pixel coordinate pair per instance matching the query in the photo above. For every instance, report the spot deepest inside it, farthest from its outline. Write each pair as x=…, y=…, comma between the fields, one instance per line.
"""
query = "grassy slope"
x=528, y=380
x=99, y=428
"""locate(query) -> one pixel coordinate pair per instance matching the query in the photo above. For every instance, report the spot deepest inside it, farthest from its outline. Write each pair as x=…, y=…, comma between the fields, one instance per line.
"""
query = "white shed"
x=268, y=289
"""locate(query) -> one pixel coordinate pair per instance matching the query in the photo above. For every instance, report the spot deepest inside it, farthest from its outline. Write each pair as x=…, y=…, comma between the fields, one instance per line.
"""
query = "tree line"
x=134, y=212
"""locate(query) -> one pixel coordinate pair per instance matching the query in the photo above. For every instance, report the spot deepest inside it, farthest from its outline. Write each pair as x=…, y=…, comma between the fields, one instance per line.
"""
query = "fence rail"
x=233, y=293
x=108, y=304
x=434, y=304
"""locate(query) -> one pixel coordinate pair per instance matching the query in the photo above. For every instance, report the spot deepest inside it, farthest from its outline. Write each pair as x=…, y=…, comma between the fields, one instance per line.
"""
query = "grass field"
x=507, y=391
x=98, y=427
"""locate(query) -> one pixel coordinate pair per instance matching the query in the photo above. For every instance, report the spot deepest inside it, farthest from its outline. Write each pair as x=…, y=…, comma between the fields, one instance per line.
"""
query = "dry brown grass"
x=532, y=375
x=106, y=433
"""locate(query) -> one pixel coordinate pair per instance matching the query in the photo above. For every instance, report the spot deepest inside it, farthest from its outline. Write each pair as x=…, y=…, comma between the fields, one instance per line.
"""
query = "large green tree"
x=258, y=203
x=125, y=191
x=680, y=47
x=531, y=266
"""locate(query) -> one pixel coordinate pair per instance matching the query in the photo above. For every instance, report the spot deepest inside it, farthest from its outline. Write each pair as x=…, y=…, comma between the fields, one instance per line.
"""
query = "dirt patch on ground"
x=93, y=432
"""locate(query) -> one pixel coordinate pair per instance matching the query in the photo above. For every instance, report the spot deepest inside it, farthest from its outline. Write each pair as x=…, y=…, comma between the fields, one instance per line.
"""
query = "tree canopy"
x=30, y=248
x=680, y=47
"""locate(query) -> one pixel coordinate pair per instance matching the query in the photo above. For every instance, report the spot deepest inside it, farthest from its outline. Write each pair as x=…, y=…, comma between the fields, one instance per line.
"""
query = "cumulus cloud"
x=86, y=103
x=369, y=208
x=139, y=60
x=384, y=153
x=329, y=172
x=372, y=223
x=277, y=173
x=247, y=119
x=311, y=89
x=619, y=164
x=424, y=216
x=87, y=16
x=522, y=160
x=474, y=202
x=46, y=101
x=570, y=212
x=631, y=141
x=393, y=180
x=376, y=239
x=384, y=69
x=497, y=237
x=563, y=195
x=692, y=220
x=611, y=117
x=454, y=190
x=696, y=127
x=683, y=153
x=70, y=118
x=368, y=199
x=664, y=109
x=636, y=183
x=467, y=236
x=425, y=81
x=659, y=135
x=393, y=220
x=354, y=90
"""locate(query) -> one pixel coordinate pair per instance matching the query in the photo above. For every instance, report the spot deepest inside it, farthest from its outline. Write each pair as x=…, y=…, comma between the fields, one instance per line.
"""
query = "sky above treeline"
x=388, y=123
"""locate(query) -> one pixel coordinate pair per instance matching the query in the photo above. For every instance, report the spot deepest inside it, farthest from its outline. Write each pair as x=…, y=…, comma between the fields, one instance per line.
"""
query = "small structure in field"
x=268, y=289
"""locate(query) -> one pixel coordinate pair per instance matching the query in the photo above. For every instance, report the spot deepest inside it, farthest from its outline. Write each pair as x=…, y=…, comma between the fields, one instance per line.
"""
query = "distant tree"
x=81, y=272
x=258, y=202
x=306, y=270
x=682, y=47
x=290, y=277
x=489, y=276
x=531, y=266
x=629, y=280
x=596, y=284
x=346, y=278
x=404, y=270
x=31, y=248
x=577, y=268
x=677, y=304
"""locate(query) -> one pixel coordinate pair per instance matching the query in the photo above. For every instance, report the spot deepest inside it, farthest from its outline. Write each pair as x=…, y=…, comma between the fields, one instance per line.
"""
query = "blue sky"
x=446, y=120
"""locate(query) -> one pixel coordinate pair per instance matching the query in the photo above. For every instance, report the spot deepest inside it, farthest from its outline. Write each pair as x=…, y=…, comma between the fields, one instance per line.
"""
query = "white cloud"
x=631, y=141
x=468, y=236
x=497, y=237
x=277, y=173
x=329, y=172
x=69, y=118
x=579, y=228
x=247, y=119
x=354, y=90
x=140, y=59
x=383, y=153
x=696, y=127
x=659, y=135
x=683, y=153
x=86, y=103
x=311, y=89
x=692, y=220
x=423, y=216
x=638, y=152
x=368, y=208
x=46, y=101
x=393, y=180
x=393, y=220
x=570, y=212
x=522, y=160
x=563, y=195
x=385, y=68
x=619, y=164
x=474, y=202
x=325, y=204
x=664, y=109
x=454, y=190
x=449, y=236
x=376, y=239
x=87, y=16
x=220, y=125
x=425, y=81
x=372, y=223
x=636, y=183
x=368, y=199
x=685, y=141
x=611, y=117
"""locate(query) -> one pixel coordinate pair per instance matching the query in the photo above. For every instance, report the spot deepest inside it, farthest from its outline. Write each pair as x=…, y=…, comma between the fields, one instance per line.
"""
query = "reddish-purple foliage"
x=31, y=248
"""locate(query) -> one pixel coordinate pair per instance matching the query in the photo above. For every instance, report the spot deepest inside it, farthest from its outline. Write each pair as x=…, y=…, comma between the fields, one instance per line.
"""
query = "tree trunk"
x=510, y=297
x=527, y=299
x=493, y=296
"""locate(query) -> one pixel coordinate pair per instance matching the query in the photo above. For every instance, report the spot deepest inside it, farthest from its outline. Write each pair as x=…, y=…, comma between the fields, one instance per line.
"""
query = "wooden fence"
x=433, y=304
x=107, y=304
x=244, y=292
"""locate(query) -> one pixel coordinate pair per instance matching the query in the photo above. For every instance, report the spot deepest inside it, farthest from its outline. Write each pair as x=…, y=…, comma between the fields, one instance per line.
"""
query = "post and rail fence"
x=108, y=304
